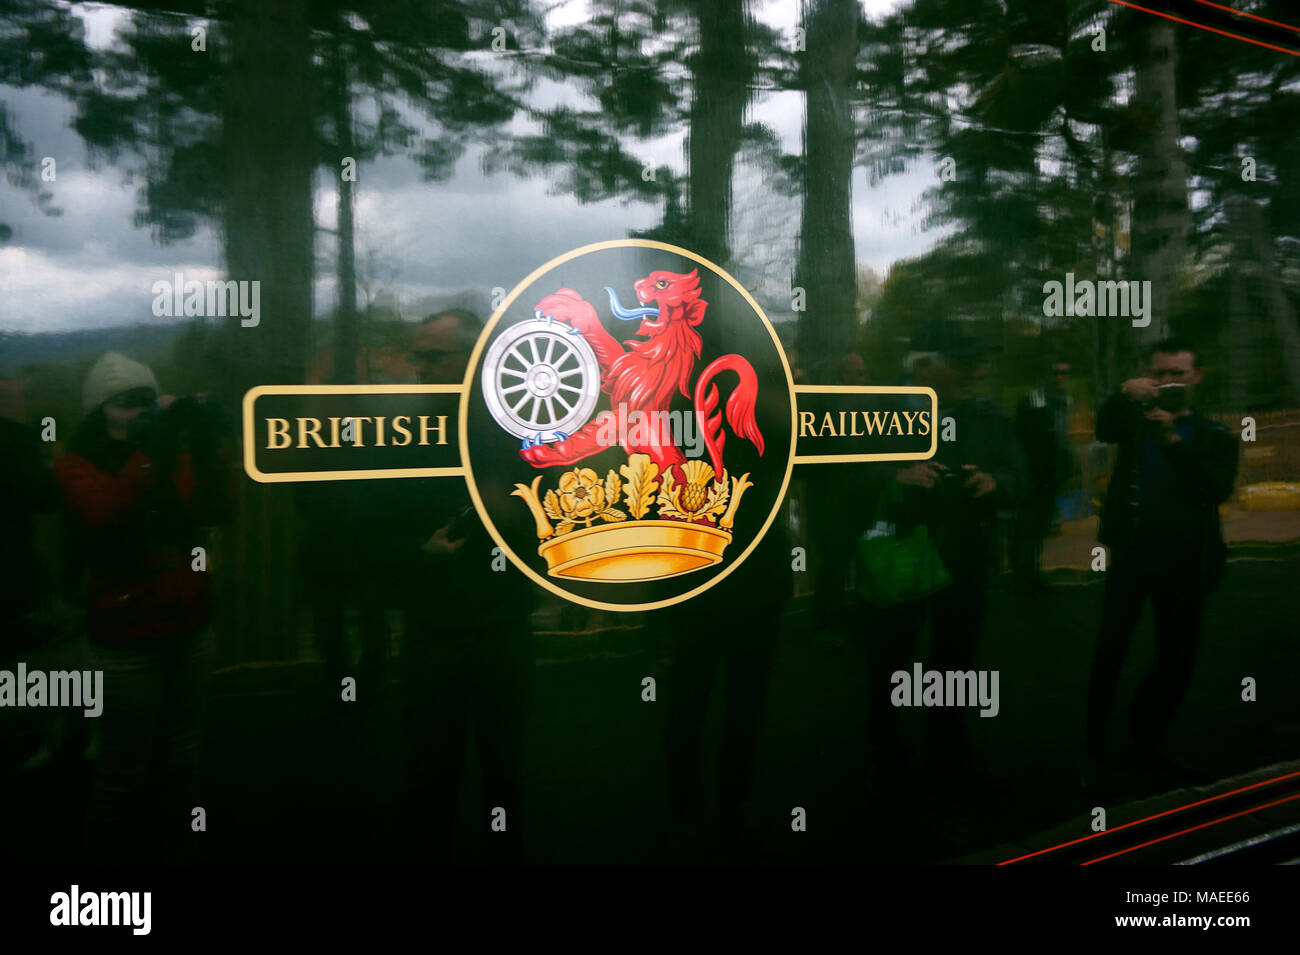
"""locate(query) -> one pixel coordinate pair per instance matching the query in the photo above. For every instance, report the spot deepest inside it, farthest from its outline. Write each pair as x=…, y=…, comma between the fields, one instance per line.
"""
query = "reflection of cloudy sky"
x=418, y=243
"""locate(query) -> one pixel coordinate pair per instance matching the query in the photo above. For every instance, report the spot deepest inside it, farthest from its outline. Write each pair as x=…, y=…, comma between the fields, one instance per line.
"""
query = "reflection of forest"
x=1130, y=162
x=1162, y=158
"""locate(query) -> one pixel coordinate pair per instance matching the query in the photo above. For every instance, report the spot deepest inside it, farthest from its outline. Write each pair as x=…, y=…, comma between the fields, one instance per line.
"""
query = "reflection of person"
x=346, y=568
x=830, y=537
x=468, y=654
x=728, y=631
x=957, y=494
x=1042, y=418
x=1161, y=523
x=27, y=488
x=442, y=345
x=144, y=474
x=852, y=370
x=344, y=564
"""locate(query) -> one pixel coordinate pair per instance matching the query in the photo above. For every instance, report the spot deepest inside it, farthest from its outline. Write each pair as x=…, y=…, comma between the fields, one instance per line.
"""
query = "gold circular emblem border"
x=472, y=370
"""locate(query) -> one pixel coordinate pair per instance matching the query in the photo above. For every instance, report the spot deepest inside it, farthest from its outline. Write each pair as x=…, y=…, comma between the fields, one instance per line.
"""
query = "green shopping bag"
x=894, y=568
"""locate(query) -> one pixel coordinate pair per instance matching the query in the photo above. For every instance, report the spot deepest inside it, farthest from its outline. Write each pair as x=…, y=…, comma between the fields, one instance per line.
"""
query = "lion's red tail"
x=740, y=407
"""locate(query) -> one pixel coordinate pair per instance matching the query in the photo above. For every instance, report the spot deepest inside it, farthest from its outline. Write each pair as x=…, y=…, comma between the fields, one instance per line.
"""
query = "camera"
x=1171, y=398
x=193, y=419
x=952, y=484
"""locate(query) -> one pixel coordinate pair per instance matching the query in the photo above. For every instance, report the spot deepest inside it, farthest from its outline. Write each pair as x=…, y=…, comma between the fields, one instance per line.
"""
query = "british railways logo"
x=627, y=426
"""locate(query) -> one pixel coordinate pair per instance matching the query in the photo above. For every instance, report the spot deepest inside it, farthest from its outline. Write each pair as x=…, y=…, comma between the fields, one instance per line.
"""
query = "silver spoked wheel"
x=541, y=381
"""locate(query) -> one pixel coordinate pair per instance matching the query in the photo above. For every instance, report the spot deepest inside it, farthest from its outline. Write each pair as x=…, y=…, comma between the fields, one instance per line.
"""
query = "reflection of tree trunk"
x=825, y=268
x=268, y=135
x=1257, y=303
x=1239, y=335
x=1105, y=334
x=722, y=69
x=1160, y=216
x=1100, y=378
x=345, y=323
x=1112, y=361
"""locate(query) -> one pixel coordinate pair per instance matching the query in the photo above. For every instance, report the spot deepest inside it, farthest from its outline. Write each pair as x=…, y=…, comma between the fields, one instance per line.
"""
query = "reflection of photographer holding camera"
x=467, y=657
x=943, y=512
x=1161, y=523
x=168, y=424
x=144, y=475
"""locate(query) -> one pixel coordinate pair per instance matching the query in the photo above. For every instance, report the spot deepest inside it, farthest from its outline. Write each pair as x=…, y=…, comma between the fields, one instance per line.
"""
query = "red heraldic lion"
x=644, y=376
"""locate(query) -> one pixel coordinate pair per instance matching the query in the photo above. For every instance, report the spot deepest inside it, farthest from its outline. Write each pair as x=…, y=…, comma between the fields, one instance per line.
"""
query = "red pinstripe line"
x=1167, y=812
x=1204, y=825
x=1201, y=26
x=1243, y=13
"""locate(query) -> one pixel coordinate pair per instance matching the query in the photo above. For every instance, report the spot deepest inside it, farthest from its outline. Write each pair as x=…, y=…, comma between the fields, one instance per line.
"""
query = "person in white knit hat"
x=143, y=477
x=123, y=388
x=112, y=375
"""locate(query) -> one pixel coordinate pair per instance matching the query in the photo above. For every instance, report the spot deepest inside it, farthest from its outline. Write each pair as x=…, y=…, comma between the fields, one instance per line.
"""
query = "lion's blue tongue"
x=627, y=314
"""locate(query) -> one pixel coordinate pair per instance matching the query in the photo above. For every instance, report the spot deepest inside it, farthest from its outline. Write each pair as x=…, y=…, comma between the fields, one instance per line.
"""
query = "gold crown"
x=592, y=539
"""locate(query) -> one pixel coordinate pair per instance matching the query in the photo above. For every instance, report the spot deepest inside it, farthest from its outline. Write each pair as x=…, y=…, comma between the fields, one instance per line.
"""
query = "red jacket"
x=138, y=542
